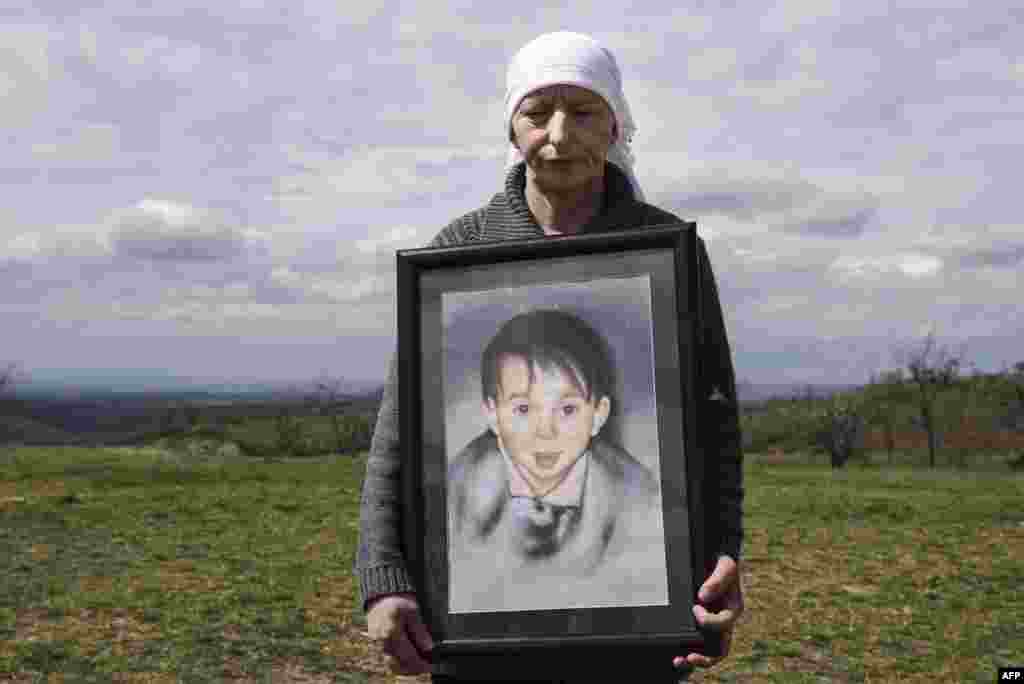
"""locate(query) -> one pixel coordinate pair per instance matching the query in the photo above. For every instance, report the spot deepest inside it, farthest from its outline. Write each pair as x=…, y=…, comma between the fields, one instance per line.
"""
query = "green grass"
x=161, y=570
x=121, y=561
x=871, y=574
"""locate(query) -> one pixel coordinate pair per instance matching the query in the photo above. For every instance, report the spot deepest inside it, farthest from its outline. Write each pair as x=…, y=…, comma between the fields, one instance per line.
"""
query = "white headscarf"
x=572, y=59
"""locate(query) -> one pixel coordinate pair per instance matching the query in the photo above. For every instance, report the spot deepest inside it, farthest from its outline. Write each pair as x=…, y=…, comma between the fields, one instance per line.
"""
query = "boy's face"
x=544, y=426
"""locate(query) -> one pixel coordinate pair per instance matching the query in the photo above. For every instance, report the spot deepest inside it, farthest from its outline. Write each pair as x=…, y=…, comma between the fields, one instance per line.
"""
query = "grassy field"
x=125, y=565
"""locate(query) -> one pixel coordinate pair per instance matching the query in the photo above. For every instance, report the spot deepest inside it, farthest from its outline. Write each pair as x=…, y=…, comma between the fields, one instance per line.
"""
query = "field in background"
x=161, y=568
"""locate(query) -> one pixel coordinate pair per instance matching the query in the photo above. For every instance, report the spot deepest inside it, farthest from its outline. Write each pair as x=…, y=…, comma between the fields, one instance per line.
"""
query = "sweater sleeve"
x=380, y=566
x=718, y=414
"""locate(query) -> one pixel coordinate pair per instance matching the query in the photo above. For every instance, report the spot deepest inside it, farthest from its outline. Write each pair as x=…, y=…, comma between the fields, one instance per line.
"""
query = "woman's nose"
x=558, y=127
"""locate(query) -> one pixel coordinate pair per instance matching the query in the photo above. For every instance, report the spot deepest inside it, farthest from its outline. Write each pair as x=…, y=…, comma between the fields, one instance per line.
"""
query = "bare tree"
x=842, y=428
x=192, y=415
x=288, y=427
x=8, y=377
x=1013, y=407
x=329, y=401
x=288, y=424
x=881, y=400
x=932, y=368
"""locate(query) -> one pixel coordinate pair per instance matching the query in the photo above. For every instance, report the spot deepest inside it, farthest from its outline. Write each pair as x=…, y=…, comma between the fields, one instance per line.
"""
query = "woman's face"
x=564, y=133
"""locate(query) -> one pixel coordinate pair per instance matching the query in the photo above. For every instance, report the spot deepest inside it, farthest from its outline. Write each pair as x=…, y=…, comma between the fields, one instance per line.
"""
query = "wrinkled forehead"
x=563, y=92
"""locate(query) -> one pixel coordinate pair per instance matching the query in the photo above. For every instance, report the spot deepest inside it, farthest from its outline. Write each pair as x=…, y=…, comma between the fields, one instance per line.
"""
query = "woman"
x=569, y=171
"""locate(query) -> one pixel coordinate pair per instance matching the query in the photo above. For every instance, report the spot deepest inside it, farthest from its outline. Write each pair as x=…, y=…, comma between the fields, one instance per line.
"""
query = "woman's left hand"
x=722, y=587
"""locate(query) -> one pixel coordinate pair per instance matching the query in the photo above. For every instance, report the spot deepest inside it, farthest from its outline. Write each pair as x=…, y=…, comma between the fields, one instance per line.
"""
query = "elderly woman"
x=569, y=171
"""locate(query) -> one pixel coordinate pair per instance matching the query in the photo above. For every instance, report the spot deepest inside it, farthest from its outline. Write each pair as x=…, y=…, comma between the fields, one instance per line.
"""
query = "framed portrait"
x=553, y=507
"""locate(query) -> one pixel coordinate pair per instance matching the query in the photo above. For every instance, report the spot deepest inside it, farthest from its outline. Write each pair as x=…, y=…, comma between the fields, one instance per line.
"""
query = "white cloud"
x=378, y=249
x=780, y=303
x=333, y=286
x=88, y=42
x=168, y=230
x=789, y=16
x=370, y=177
x=911, y=265
x=160, y=54
x=65, y=240
x=856, y=160
x=711, y=63
x=763, y=199
x=26, y=70
x=88, y=146
x=786, y=91
x=24, y=246
x=978, y=62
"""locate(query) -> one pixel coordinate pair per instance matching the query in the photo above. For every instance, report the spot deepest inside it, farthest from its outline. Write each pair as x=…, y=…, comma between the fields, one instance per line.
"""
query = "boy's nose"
x=546, y=426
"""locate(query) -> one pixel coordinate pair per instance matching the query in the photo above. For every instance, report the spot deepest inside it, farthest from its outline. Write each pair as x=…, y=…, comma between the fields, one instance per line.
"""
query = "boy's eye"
x=569, y=410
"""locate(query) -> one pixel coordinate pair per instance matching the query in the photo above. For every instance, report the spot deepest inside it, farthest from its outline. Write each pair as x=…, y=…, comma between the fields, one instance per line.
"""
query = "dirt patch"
x=178, y=575
x=145, y=678
x=294, y=670
x=326, y=539
x=10, y=496
x=95, y=584
x=331, y=604
x=123, y=629
x=40, y=552
x=31, y=625
x=232, y=672
x=47, y=488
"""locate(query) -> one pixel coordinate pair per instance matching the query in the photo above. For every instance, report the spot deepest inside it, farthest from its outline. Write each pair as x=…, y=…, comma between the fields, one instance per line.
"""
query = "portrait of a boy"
x=540, y=488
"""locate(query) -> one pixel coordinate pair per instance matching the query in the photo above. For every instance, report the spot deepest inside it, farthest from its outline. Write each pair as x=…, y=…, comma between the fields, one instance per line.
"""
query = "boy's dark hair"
x=551, y=338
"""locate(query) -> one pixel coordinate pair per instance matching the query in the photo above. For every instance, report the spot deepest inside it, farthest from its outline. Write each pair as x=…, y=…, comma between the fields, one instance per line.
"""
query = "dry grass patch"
x=327, y=538
x=40, y=552
x=331, y=604
x=95, y=584
x=48, y=488
x=283, y=671
x=144, y=678
x=14, y=492
x=179, y=575
x=123, y=629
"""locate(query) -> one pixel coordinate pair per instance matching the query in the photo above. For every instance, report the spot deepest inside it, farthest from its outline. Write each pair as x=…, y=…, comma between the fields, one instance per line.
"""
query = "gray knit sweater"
x=379, y=563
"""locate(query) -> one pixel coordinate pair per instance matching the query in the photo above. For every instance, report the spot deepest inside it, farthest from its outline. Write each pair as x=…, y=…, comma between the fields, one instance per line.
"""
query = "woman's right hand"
x=394, y=622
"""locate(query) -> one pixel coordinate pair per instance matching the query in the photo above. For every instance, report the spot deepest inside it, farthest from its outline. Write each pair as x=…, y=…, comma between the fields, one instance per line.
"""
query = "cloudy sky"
x=216, y=189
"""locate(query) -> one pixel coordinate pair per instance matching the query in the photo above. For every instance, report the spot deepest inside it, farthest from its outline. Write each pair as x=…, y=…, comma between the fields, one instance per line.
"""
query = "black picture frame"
x=599, y=639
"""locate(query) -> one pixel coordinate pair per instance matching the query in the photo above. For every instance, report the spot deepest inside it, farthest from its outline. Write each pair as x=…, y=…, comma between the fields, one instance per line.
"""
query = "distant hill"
x=15, y=429
x=84, y=384
x=145, y=386
x=181, y=390
x=750, y=393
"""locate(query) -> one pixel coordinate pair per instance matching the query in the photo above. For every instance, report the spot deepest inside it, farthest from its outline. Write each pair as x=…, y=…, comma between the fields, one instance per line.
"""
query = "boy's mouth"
x=546, y=459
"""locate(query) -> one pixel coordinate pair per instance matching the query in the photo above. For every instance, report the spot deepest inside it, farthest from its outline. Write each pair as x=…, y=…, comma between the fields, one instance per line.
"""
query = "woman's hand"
x=723, y=586
x=394, y=622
